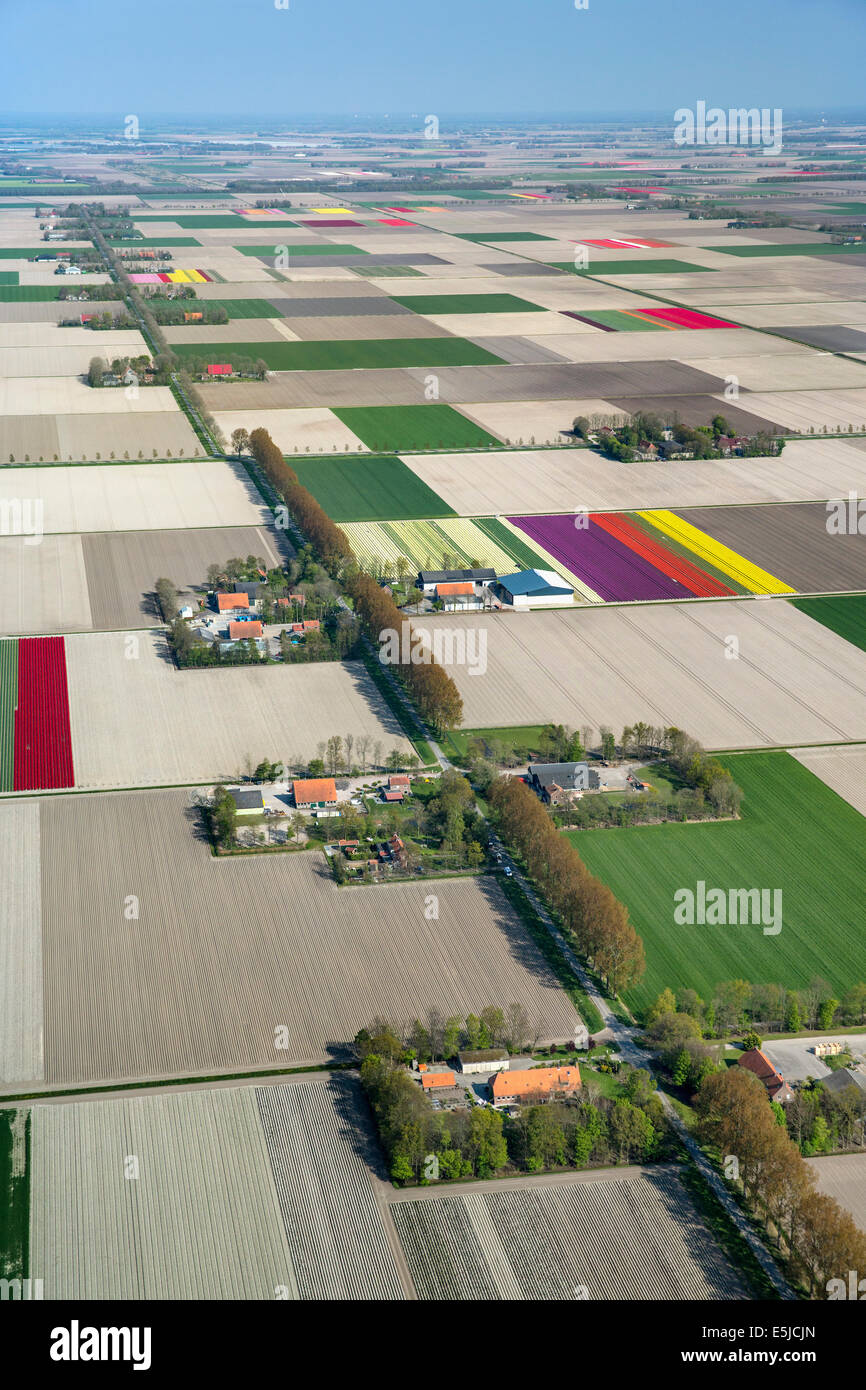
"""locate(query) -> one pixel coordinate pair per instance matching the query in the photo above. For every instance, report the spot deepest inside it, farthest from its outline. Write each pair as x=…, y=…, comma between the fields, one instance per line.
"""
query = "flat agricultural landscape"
x=225, y=951
x=241, y=1193
x=20, y=943
x=842, y=769
x=562, y=480
x=794, y=681
x=843, y=1177
x=793, y=542
x=139, y=721
x=627, y=1233
x=134, y=496
x=786, y=813
x=369, y=489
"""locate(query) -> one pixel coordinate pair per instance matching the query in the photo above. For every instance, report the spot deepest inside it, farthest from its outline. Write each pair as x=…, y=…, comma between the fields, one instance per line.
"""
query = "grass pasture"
x=843, y=614
x=27, y=294
x=240, y=309
x=323, y=356
x=369, y=489
x=788, y=816
x=410, y=427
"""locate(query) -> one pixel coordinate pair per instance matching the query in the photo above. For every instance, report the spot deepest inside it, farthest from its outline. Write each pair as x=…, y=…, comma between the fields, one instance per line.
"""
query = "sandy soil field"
x=802, y=371
x=62, y=361
x=561, y=480
x=236, y=331
x=160, y=434
x=366, y=326
x=666, y=663
x=138, y=721
x=805, y=410
x=843, y=769
x=46, y=395
x=122, y=567
x=843, y=1176
x=120, y=342
x=137, y=496
x=44, y=586
x=223, y=1176
x=182, y=989
x=543, y=1240
x=542, y=421
x=318, y=428
x=851, y=312
x=20, y=944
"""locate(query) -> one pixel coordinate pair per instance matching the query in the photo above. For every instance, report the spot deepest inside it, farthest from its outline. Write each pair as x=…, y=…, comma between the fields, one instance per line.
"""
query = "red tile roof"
x=226, y=602
x=452, y=590
x=432, y=1079
x=219, y=369
x=241, y=629
x=536, y=1081
x=315, y=789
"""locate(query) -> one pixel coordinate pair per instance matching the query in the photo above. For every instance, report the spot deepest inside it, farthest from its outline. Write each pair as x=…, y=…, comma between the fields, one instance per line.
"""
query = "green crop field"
x=235, y=308
x=386, y=272
x=315, y=356
x=8, y=701
x=625, y=323
x=466, y=304
x=483, y=237
x=319, y=248
x=822, y=248
x=14, y=1193
x=794, y=834
x=422, y=427
x=844, y=615
x=27, y=294
x=523, y=554
x=369, y=489
x=8, y=277
x=23, y=253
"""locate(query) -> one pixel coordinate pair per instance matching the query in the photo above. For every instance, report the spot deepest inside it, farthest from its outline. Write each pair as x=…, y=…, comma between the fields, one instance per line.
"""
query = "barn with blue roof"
x=528, y=588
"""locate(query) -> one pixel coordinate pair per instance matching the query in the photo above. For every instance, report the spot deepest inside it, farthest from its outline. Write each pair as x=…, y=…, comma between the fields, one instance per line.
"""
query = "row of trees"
x=821, y=1241
x=595, y=919
x=429, y=685
x=329, y=542
x=737, y=1006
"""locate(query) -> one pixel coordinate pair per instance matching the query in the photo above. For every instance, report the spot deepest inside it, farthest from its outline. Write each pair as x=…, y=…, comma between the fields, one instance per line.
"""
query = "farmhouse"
x=430, y=580
x=526, y=588
x=537, y=1084
x=759, y=1063
x=438, y=1081
x=229, y=603
x=244, y=628
x=314, y=791
x=488, y=1059
x=558, y=783
x=219, y=369
x=248, y=801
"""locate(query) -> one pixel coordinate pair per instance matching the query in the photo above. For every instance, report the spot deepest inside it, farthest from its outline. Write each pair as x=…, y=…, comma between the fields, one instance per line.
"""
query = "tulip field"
x=35, y=736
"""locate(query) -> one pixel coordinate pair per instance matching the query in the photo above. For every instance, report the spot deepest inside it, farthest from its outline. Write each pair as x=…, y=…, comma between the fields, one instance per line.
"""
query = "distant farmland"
x=433, y=426
x=334, y=356
x=790, y=819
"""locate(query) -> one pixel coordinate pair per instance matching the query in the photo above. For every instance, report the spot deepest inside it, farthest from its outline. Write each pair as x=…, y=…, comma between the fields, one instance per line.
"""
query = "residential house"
x=438, y=1081
x=534, y=1085
x=559, y=783
x=244, y=628
x=232, y=603
x=314, y=792
x=219, y=369
x=760, y=1065
x=429, y=580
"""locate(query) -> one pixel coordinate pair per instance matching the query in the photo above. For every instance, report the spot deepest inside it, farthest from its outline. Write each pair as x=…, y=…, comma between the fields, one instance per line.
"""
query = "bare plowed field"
x=137, y=496
x=20, y=943
x=842, y=769
x=223, y=952
x=792, y=542
x=122, y=567
x=843, y=1176
x=789, y=682
x=632, y=1234
x=139, y=721
x=44, y=586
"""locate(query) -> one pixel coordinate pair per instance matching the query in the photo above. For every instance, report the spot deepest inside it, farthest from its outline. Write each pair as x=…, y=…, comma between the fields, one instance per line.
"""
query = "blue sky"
x=388, y=56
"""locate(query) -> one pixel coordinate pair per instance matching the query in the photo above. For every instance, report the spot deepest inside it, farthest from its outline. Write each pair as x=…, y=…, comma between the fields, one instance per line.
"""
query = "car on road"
x=509, y=873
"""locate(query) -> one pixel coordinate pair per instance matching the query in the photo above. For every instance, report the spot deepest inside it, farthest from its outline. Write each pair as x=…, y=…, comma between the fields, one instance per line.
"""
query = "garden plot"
x=628, y=1234
x=155, y=999
x=200, y=1222
x=122, y=567
x=790, y=541
x=294, y=431
x=807, y=411
x=44, y=585
x=562, y=480
x=795, y=682
x=137, y=496
x=141, y=722
x=20, y=944
x=843, y=1177
x=841, y=769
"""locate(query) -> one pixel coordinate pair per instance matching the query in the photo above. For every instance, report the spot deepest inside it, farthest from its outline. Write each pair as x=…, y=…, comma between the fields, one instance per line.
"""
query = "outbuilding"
x=530, y=588
x=487, y=1060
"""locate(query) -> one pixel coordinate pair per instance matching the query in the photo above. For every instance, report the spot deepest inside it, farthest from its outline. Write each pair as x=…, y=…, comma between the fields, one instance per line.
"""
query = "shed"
x=487, y=1059
x=248, y=800
x=525, y=588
